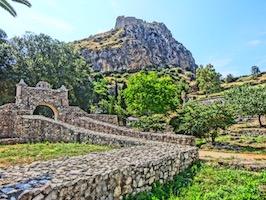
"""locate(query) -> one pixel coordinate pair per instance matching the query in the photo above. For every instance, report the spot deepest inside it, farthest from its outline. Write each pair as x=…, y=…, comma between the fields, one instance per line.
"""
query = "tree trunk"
x=260, y=121
x=213, y=136
x=213, y=139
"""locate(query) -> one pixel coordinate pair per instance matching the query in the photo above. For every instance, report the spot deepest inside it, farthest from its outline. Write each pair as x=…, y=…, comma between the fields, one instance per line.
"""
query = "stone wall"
x=7, y=113
x=122, y=21
x=98, y=126
x=107, y=175
x=40, y=129
x=110, y=119
x=247, y=132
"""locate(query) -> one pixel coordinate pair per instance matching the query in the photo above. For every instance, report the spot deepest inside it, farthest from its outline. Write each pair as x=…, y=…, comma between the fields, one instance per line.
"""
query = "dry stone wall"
x=247, y=132
x=41, y=129
x=99, y=126
x=108, y=175
x=110, y=119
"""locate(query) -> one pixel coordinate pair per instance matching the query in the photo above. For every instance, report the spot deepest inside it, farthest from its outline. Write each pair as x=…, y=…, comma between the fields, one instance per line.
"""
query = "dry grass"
x=102, y=40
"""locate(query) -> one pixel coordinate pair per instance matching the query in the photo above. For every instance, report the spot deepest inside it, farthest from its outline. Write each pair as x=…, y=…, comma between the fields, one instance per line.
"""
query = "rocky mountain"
x=133, y=44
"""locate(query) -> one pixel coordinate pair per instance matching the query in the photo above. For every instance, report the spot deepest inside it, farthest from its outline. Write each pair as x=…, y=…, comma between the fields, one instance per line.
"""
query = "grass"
x=204, y=182
x=28, y=153
x=254, y=141
x=239, y=144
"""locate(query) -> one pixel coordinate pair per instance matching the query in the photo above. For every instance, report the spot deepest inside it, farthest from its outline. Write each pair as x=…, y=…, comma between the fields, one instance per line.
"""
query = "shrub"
x=155, y=123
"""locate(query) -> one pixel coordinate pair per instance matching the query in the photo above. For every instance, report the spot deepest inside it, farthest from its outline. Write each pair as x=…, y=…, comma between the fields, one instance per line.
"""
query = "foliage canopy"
x=208, y=79
x=203, y=120
x=149, y=94
x=39, y=57
x=248, y=100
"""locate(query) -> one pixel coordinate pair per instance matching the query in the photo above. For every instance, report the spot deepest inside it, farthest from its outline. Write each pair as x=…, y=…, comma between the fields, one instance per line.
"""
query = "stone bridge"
x=139, y=160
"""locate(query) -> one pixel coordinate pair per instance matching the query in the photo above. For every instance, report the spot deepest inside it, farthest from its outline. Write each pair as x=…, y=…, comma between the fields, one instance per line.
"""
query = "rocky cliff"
x=133, y=44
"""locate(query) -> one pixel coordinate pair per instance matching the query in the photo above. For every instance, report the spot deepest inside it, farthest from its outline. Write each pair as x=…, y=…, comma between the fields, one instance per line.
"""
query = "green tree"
x=255, y=70
x=6, y=6
x=148, y=94
x=203, y=120
x=229, y=78
x=3, y=36
x=39, y=57
x=100, y=89
x=248, y=100
x=7, y=89
x=208, y=79
x=121, y=107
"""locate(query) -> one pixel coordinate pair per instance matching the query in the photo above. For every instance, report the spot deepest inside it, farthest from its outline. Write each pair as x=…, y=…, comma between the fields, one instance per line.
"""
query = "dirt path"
x=244, y=156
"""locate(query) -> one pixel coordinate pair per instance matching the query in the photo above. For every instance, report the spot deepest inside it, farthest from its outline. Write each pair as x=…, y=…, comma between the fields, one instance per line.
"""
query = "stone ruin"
x=28, y=98
x=138, y=161
x=123, y=21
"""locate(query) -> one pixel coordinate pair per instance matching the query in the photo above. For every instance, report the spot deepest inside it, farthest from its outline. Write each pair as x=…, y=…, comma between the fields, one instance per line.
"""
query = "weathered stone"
x=141, y=182
x=128, y=181
x=133, y=45
x=52, y=196
x=39, y=197
x=151, y=180
x=117, y=191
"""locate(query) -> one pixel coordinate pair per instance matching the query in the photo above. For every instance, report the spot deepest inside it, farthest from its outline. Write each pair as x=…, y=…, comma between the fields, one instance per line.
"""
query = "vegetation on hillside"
x=248, y=100
x=208, y=79
x=102, y=40
x=203, y=120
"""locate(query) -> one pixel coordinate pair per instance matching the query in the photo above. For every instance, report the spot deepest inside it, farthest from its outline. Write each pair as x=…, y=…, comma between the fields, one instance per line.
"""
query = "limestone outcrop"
x=134, y=44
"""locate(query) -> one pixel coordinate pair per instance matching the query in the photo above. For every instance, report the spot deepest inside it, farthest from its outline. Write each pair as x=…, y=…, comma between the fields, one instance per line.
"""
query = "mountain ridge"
x=134, y=44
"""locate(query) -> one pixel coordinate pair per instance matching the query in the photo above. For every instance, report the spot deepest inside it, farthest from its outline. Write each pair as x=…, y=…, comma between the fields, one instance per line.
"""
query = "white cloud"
x=254, y=42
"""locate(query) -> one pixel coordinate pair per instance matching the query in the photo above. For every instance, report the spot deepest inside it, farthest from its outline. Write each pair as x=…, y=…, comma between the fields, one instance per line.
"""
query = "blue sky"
x=230, y=34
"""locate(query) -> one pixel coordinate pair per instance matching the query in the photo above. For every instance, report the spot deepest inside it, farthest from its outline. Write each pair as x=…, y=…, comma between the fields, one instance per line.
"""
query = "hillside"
x=259, y=79
x=134, y=44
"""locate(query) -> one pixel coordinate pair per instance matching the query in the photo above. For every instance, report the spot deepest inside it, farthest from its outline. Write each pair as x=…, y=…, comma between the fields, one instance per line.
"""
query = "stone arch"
x=28, y=98
x=53, y=108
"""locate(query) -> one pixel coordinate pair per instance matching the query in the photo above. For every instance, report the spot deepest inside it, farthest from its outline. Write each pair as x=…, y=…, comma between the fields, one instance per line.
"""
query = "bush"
x=155, y=123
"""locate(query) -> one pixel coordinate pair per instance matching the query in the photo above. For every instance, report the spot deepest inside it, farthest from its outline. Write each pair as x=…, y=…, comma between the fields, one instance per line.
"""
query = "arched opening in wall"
x=46, y=110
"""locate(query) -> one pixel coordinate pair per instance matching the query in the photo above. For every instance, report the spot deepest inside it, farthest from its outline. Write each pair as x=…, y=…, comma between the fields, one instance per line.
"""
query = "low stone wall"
x=98, y=126
x=246, y=132
x=108, y=175
x=40, y=129
x=111, y=119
